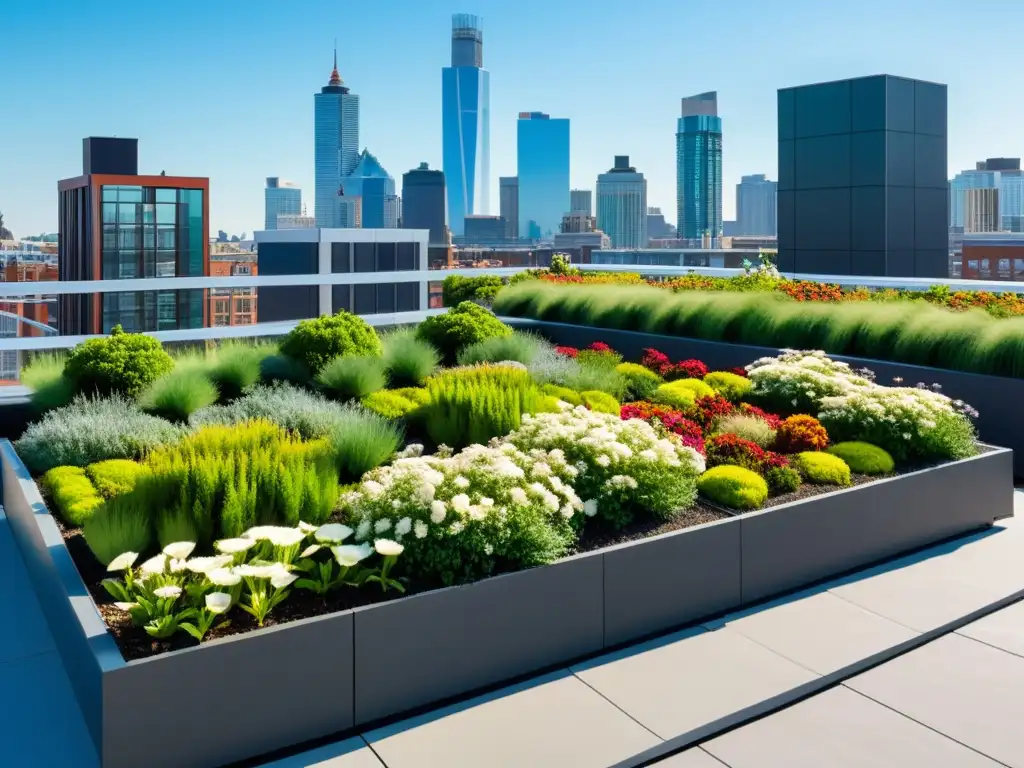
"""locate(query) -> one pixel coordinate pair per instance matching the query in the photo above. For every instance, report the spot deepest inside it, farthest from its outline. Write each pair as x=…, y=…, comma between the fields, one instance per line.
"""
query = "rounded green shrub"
x=122, y=362
x=353, y=377
x=316, y=342
x=731, y=386
x=640, y=382
x=178, y=394
x=465, y=324
x=390, y=404
x=562, y=393
x=733, y=487
x=74, y=496
x=408, y=360
x=782, y=480
x=864, y=458
x=679, y=397
x=822, y=468
x=115, y=476
x=601, y=402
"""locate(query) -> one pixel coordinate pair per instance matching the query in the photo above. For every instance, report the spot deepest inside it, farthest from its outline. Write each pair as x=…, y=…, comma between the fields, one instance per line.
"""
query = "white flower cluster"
x=906, y=411
x=803, y=378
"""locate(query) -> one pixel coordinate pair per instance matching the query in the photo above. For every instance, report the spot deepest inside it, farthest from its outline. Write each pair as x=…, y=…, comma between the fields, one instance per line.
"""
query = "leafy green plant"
x=864, y=458
x=391, y=404
x=601, y=402
x=640, y=382
x=408, y=360
x=115, y=476
x=748, y=427
x=92, y=429
x=120, y=363
x=116, y=527
x=782, y=480
x=352, y=377
x=44, y=375
x=75, y=497
x=731, y=386
x=518, y=347
x=733, y=487
x=361, y=441
x=460, y=327
x=177, y=395
x=822, y=468
x=314, y=343
x=457, y=289
x=236, y=368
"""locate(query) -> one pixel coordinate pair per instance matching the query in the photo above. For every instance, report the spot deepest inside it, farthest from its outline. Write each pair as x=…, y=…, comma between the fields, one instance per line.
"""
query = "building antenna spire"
x=335, y=77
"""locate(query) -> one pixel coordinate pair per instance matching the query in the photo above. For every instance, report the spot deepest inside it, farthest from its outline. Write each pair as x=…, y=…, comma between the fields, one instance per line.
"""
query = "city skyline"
x=231, y=135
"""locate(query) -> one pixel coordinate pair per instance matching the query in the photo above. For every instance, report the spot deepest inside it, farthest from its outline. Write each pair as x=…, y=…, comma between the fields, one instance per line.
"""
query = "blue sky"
x=224, y=88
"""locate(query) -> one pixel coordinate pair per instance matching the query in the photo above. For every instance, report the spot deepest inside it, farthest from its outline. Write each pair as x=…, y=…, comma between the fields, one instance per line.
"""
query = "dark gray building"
x=484, y=230
x=423, y=202
x=862, y=178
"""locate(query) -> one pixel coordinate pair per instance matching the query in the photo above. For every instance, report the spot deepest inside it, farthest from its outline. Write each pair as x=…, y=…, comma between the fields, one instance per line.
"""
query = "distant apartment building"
x=233, y=306
x=423, y=202
x=581, y=201
x=280, y=198
x=622, y=205
x=576, y=222
x=348, y=212
x=756, y=198
x=657, y=227
x=981, y=210
x=993, y=256
x=543, y=173
x=117, y=225
x=508, y=201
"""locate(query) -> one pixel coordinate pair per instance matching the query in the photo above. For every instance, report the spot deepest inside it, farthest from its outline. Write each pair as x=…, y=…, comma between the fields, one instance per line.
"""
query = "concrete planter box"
x=1001, y=420
x=240, y=697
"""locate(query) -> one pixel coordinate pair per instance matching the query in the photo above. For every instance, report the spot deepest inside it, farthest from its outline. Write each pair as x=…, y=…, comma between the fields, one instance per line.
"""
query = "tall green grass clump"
x=353, y=377
x=316, y=342
x=472, y=405
x=361, y=441
x=121, y=525
x=178, y=394
x=518, y=347
x=44, y=375
x=408, y=360
x=235, y=368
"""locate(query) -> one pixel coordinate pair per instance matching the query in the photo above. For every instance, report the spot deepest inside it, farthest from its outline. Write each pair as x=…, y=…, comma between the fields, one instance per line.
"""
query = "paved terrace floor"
x=955, y=697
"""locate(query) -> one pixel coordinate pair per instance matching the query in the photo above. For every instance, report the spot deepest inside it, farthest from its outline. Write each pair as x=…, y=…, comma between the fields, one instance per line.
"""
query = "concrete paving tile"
x=971, y=692
x=840, y=729
x=350, y=753
x=683, y=682
x=19, y=606
x=819, y=631
x=554, y=721
x=40, y=722
x=1002, y=629
x=691, y=758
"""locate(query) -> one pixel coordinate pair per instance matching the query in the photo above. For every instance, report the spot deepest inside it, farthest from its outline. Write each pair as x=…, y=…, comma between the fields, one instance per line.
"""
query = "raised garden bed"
x=323, y=675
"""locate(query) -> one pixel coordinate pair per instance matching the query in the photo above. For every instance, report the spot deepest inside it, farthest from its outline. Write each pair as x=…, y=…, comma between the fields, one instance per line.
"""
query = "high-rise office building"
x=115, y=225
x=281, y=198
x=543, y=165
x=756, y=205
x=622, y=205
x=979, y=178
x=376, y=188
x=466, y=123
x=581, y=201
x=657, y=227
x=862, y=178
x=508, y=194
x=336, y=144
x=699, y=168
x=423, y=202
x=981, y=210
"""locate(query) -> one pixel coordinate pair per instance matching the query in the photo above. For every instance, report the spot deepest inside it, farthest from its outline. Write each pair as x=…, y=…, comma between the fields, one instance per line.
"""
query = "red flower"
x=672, y=420
x=801, y=433
x=739, y=371
x=600, y=346
x=567, y=351
x=709, y=408
x=771, y=419
x=690, y=369
x=733, y=449
x=656, y=361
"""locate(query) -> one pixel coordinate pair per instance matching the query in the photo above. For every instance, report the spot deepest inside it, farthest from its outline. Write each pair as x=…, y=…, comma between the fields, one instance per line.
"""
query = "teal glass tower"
x=543, y=160
x=466, y=124
x=335, y=144
x=699, y=169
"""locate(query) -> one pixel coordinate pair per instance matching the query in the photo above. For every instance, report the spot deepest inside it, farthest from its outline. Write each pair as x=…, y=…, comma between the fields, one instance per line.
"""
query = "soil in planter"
x=597, y=535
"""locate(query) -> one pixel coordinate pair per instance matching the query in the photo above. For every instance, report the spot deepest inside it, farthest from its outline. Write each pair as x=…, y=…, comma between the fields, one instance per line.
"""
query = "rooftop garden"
x=213, y=492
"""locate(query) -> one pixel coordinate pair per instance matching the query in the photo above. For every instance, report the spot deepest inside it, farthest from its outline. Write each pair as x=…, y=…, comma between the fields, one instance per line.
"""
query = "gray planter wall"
x=998, y=399
x=243, y=696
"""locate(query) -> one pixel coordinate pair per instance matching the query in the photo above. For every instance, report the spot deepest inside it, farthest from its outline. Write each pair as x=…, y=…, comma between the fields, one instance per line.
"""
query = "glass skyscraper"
x=280, y=197
x=699, y=168
x=756, y=205
x=466, y=123
x=622, y=205
x=336, y=144
x=376, y=188
x=543, y=160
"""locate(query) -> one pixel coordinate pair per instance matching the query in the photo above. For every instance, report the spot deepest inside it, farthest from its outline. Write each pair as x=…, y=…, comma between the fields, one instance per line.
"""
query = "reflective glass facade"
x=335, y=147
x=543, y=163
x=699, y=176
x=862, y=178
x=465, y=124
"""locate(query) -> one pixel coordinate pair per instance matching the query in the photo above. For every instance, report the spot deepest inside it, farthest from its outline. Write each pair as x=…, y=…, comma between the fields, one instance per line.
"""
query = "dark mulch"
x=596, y=536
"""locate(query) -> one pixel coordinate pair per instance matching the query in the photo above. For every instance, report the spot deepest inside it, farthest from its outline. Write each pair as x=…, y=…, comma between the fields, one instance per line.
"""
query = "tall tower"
x=622, y=205
x=336, y=144
x=466, y=124
x=543, y=163
x=699, y=169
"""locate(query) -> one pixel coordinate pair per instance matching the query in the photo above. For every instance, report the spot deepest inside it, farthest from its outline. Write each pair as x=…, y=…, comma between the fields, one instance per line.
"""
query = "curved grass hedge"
x=912, y=332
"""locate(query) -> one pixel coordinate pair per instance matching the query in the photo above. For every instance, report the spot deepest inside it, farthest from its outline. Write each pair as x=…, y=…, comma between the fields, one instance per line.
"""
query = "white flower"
x=306, y=528
x=223, y=577
x=488, y=550
x=218, y=602
x=123, y=562
x=420, y=529
x=154, y=566
x=125, y=606
x=457, y=527
x=460, y=503
x=179, y=550
x=177, y=566
x=590, y=507
x=332, y=533
x=372, y=488
x=388, y=548
x=486, y=502
x=282, y=579
x=603, y=461
x=233, y=546
x=351, y=554
x=403, y=527
x=437, y=511
x=267, y=571
x=170, y=591
x=567, y=511
x=277, y=535
x=518, y=497
x=207, y=564
x=396, y=504
x=311, y=550
x=382, y=525
x=363, y=529
x=461, y=482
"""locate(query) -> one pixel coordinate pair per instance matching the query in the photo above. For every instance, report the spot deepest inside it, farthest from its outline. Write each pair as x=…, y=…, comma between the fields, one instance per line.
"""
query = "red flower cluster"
x=690, y=369
x=801, y=433
x=567, y=351
x=739, y=371
x=656, y=361
x=660, y=363
x=772, y=420
x=732, y=449
x=672, y=420
x=709, y=408
x=600, y=346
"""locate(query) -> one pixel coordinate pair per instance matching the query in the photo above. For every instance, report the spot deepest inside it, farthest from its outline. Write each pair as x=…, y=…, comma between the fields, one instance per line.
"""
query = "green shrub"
x=314, y=343
x=472, y=405
x=562, y=393
x=731, y=386
x=864, y=458
x=733, y=487
x=235, y=368
x=457, y=289
x=281, y=368
x=460, y=327
x=751, y=428
x=782, y=480
x=118, y=526
x=518, y=347
x=601, y=402
x=45, y=377
x=349, y=378
x=177, y=395
x=418, y=395
x=123, y=363
x=91, y=430
x=677, y=394
x=362, y=441
x=115, y=476
x=409, y=361
x=307, y=414
x=822, y=468
x=73, y=495
x=390, y=404
x=640, y=382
